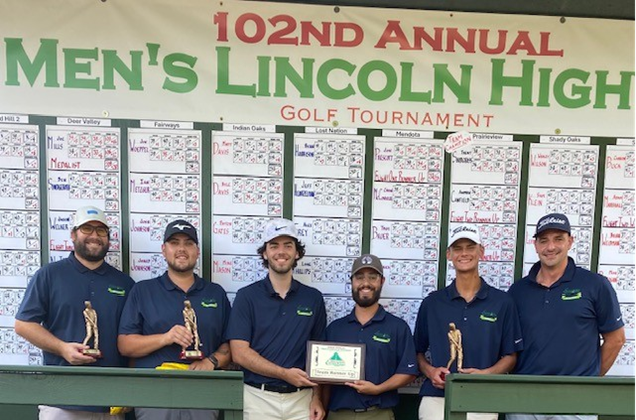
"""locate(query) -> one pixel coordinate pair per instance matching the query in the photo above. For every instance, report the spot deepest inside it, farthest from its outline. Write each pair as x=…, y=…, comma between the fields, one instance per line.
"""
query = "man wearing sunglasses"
x=51, y=315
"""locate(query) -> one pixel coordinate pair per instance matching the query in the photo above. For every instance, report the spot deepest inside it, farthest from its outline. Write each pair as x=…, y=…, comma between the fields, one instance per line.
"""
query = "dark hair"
x=300, y=248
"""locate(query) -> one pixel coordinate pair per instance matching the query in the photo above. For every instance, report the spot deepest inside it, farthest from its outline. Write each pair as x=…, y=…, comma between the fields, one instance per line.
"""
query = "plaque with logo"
x=335, y=363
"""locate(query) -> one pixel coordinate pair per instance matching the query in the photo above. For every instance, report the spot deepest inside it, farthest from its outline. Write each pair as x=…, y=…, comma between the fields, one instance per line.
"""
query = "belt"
x=364, y=410
x=281, y=389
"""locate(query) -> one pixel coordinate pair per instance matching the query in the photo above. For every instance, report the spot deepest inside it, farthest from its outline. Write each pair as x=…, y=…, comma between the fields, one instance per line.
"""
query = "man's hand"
x=178, y=335
x=364, y=387
x=72, y=353
x=316, y=410
x=297, y=377
x=203, y=364
x=473, y=370
x=437, y=376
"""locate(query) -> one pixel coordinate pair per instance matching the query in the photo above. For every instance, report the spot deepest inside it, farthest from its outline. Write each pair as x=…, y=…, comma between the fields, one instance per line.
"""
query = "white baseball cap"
x=89, y=214
x=464, y=232
x=279, y=227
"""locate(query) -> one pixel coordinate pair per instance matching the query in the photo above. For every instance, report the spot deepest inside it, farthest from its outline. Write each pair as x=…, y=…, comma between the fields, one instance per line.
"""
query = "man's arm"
x=245, y=356
x=435, y=374
x=503, y=365
x=222, y=355
x=40, y=337
x=137, y=345
x=612, y=343
x=396, y=381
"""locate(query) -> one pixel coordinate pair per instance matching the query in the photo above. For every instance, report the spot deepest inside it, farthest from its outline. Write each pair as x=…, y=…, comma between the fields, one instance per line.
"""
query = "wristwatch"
x=214, y=361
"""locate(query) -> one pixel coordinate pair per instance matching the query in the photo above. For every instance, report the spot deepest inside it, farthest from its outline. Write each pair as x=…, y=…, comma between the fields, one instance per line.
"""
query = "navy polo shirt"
x=55, y=298
x=277, y=329
x=389, y=350
x=561, y=323
x=156, y=305
x=489, y=325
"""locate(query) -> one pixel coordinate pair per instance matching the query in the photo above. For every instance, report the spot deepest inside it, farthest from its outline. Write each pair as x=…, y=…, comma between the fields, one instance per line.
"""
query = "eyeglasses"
x=89, y=229
x=369, y=276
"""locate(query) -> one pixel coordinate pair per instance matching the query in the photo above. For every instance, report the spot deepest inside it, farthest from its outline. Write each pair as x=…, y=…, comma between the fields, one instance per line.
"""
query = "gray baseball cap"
x=367, y=261
x=279, y=227
x=89, y=214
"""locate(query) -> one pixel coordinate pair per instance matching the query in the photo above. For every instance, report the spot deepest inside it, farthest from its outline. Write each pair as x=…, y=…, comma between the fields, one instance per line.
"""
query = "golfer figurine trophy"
x=90, y=317
x=190, y=319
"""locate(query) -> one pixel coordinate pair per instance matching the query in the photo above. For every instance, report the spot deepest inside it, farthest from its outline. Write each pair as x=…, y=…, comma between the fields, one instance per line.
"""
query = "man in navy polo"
x=51, y=315
x=271, y=322
x=390, y=361
x=152, y=329
x=486, y=318
x=564, y=310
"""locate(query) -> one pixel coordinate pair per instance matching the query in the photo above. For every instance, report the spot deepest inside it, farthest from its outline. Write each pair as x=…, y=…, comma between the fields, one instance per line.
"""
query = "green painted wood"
x=538, y=394
x=29, y=385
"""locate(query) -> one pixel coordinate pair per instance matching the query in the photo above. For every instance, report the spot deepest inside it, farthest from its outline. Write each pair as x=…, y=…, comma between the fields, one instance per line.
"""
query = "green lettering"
x=544, y=87
x=263, y=75
x=45, y=57
x=622, y=89
x=406, y=94
x=580, y=95
x=223, y=76
x=442, y=77
x=499, y=81
x=131, y=75
x=72, y=67
x=189, y=76
x=322, y=79
x=365, y=74
x=284, y=72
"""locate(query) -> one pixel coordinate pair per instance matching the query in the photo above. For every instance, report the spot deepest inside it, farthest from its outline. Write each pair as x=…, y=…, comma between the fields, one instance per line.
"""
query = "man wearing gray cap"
x=564, y=310
x=51, y=316
x=390, y=362
x=484, y=317
x=270, y=324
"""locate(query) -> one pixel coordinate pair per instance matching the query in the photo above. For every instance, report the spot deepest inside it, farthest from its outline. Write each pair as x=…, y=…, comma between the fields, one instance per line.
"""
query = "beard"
x=365, y=302
x=90, y=253
x=181, y=268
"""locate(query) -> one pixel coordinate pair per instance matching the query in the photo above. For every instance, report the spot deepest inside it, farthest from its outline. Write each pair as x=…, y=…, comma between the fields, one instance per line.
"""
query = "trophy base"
x=97, y=354
x=191, y=355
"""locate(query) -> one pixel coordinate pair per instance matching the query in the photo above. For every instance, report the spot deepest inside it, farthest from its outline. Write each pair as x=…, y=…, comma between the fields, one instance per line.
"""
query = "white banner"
x=290, y=64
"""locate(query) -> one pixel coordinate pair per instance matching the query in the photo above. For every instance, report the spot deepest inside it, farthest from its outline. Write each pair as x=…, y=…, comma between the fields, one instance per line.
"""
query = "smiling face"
x=180, y=252
x=366, y=287
x=91, y=246
x=465, y=255
x=552, y=247
x=281, y=254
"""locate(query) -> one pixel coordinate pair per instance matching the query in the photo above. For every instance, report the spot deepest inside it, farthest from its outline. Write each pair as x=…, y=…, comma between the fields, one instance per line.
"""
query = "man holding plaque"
x=271, y=322
x=390, y=361
x=484, y=317
x=153, y=327
x=51, y=316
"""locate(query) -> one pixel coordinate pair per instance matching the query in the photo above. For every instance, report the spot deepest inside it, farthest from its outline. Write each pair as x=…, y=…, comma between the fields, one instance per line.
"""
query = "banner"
x=313, y=65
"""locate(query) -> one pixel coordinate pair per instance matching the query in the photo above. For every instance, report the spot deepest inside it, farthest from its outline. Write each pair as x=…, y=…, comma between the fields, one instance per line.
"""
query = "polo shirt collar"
x=101, y=270
x=267, y=283
x=165, y=281
x=567, y=276
x=379, y=315
x=482, y=293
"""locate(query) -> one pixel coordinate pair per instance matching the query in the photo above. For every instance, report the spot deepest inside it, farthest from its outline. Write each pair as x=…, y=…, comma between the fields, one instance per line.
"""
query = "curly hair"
x=300, y=248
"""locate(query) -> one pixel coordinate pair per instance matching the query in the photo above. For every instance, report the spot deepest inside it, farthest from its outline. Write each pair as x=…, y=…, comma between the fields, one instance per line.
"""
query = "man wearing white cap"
x=51, y=316
x=270, y=324
x=486, y=317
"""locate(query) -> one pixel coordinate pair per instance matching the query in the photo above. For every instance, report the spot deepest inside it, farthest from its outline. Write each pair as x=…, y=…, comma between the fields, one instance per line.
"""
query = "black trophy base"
x=191, y=355
x=96, y=353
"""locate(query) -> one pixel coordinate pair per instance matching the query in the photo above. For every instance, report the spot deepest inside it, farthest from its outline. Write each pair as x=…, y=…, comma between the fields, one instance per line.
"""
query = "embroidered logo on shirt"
x=117, y=291
x=209, y=303
x=382, y=337
x=571, y=294
x=304, y=311
x=488, y=316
